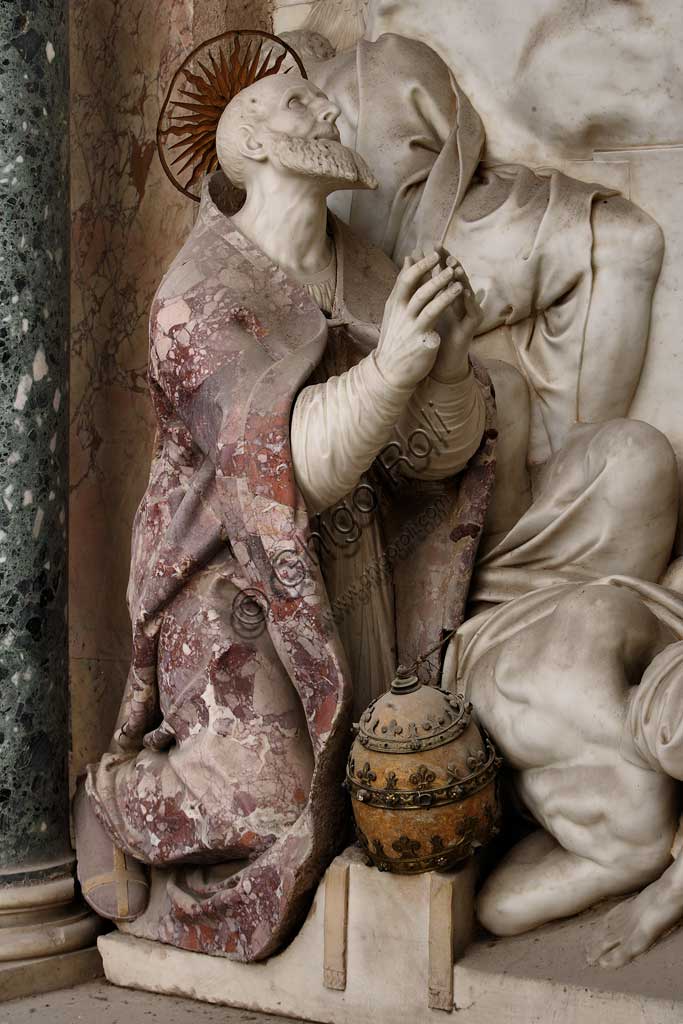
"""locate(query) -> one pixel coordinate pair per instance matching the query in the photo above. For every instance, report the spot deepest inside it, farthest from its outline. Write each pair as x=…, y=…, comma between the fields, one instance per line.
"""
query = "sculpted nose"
x=329, y=111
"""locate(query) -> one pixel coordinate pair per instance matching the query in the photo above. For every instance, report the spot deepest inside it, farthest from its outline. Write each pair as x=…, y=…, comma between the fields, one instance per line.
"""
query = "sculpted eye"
x=295, y=103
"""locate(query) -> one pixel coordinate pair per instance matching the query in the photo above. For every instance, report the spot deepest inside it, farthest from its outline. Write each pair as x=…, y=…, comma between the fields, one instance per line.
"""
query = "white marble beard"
x=321, y=158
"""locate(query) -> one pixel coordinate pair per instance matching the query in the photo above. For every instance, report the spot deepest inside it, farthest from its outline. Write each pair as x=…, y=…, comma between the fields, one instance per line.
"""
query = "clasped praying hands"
x=430, y=319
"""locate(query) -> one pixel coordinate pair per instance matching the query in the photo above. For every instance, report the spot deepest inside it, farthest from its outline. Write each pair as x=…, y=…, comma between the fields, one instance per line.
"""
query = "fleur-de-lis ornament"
x=422, y=777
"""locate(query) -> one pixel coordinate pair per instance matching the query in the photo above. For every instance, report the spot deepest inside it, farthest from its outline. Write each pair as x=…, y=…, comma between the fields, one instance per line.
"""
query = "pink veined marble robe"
x=233, y=341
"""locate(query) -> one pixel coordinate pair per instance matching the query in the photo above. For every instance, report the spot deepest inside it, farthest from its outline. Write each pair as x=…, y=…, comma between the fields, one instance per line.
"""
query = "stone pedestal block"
x=374, y=945
x=399, y=953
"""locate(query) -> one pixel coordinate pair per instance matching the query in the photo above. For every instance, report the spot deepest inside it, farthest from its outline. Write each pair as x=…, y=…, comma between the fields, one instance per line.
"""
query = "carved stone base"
x=43, y=920
x=377, y=948
x=47, y=932
x=372, y=941
x=47, y=938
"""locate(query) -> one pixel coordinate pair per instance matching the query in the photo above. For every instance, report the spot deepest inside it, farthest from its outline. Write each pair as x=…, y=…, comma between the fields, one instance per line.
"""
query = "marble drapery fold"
x=524, y=237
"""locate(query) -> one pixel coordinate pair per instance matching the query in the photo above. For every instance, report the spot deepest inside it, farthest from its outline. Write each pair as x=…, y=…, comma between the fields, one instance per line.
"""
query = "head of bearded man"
x=285, y=124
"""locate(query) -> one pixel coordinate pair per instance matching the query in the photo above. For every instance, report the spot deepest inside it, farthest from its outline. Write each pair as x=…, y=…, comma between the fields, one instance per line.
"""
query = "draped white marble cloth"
x=605, y=511
x=524, y=237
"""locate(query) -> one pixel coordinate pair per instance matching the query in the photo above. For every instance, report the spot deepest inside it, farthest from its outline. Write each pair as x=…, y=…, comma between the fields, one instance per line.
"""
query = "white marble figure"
x=563, y=672
x=582, y=687
x=567, y=269
x=574, y=659
x=567, y=676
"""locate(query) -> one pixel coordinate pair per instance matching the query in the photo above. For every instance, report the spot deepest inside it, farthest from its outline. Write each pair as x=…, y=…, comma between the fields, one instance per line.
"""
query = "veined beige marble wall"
x=128, y=223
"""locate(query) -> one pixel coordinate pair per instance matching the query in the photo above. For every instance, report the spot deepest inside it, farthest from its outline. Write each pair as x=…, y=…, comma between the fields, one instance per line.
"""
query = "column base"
x=47, y=932
x=44, y=920
x=21, y=978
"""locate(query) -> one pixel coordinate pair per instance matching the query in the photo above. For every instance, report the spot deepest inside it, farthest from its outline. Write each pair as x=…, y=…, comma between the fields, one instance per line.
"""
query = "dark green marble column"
x=37, y=913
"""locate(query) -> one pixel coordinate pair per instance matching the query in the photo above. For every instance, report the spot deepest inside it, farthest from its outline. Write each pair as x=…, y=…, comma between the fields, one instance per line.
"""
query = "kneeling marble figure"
x=286, y=356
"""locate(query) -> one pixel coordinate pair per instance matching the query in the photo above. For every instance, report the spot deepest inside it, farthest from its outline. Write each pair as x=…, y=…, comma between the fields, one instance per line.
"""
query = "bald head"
x=285, y=103
x=287, y=122
x=248, y=109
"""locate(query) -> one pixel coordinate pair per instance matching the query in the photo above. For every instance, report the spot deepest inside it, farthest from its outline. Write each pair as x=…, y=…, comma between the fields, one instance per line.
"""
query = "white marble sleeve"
x=450, y=418
x=339, y=427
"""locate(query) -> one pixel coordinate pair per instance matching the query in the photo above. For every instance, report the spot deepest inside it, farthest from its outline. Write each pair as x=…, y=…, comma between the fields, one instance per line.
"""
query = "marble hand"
x=409, y=342
x=635, y=924
x=457, y=326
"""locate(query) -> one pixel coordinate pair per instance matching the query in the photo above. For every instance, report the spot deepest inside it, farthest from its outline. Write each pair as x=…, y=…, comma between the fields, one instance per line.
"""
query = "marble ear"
x=248, y=145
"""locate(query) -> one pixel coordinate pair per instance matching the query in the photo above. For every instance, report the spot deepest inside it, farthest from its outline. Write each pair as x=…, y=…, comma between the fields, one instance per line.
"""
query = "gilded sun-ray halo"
x=200, y=90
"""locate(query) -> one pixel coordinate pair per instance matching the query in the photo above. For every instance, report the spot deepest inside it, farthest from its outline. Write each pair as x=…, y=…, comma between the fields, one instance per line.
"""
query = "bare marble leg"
x=553, y=697
x=539, y=881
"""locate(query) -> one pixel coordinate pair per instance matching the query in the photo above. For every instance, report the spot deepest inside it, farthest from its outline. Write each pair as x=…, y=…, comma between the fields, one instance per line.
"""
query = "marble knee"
x=638, y=467
x=640, y=493
x=502, y=911
x=633, y=437
x=611, y=494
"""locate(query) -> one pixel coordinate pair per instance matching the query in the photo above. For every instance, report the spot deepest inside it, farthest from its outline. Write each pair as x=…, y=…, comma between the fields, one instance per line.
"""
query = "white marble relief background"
x=592, y=88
